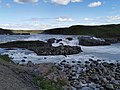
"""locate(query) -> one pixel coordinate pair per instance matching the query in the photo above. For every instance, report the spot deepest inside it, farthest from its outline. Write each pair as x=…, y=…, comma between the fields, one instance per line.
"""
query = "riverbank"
x=77, y=75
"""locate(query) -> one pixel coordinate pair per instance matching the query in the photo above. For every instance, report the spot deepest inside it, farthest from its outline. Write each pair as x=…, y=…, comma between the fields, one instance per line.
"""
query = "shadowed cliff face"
x=19, y=32
x=106, y=31
x=5, y=31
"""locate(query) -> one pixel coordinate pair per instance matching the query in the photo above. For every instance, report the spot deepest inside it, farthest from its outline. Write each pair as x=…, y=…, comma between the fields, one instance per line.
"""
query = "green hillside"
x=99, y=31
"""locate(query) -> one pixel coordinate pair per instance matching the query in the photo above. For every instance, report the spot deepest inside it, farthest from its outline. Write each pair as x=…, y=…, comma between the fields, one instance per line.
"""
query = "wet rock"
x=78, y=61
x=63, y=62
x=77, y=85
x=87, y=62
x=73, y=61
x=94, y=78
x=90, y=59
x=58, y=40
x=98, y=60
x=102, y=88
x=92, y=65
x=61, y=44
x=87, y=88
x=51, y=40
x=113, y=81
x=23, y=60
x=83, y=81
x=45, y=58
x=25, y=57
x=90, y=41
x=105, y=64
x=103, y=79
x=112, y=40
x=67, y=66
x=69, y=38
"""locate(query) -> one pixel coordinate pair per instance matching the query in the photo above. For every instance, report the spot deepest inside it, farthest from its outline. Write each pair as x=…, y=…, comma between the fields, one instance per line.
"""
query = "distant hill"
x=19, y=32
x=112, y=30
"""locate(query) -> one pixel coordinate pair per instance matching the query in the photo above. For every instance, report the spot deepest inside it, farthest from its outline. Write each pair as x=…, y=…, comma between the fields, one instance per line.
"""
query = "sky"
x=46, y=14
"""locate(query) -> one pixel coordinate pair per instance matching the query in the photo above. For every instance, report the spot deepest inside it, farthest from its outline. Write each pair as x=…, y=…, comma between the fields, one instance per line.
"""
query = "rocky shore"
x=65, y=75
x=92, y=74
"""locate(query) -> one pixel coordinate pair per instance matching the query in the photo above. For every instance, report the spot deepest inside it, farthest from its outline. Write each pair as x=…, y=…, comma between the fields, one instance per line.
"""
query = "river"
x=109, y=53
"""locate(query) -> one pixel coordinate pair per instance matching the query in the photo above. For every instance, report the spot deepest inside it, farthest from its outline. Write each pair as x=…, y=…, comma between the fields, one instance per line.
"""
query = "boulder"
x=58, y=40
x=51, y=40
x=109, y=87
x=30, y=64
x=23, y=60
x=69, y=38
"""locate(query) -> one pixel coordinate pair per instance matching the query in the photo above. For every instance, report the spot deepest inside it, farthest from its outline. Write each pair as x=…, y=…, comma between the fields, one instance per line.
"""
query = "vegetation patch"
x=46, y=84
x=61, y=82
x=5, y=58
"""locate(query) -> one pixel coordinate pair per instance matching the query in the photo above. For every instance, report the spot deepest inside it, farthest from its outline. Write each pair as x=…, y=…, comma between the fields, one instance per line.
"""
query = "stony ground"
x=14, y=77
x=31, y=77
x=92, y=74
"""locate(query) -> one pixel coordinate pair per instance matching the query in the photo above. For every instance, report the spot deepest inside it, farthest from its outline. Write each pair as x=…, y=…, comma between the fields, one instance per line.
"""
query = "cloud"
x=25, y=1
x=64, y=19
x=95, y=4
x=91, y=19
x=26, y=26
x=88, y=19
x=60, y=2
x=64, y=2
x=114, y=18
x=36, y=19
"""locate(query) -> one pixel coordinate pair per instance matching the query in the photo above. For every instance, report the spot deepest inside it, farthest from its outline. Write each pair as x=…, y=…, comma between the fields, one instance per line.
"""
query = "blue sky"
x=45, y=14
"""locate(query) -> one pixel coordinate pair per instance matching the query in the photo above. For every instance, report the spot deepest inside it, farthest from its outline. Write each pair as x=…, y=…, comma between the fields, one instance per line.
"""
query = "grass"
x=28, y=31
x=46, y=84
x=61, y=82
x=5, y=58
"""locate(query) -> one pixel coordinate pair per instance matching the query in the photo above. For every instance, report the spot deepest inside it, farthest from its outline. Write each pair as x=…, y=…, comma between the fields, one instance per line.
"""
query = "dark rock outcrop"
x=90, y=41
x=112, y=40
x=5, y=31
x=42, y=48
x=60, y=50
